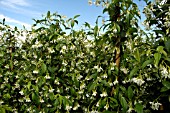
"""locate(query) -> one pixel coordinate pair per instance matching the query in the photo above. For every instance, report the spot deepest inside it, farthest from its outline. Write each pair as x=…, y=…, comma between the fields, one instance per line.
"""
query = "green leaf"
x=76, y=16
x=128, y=19
x=72, y=23
x=109, y=72
x=87, y=25
x=167, y=45
x=76, y=21
x=108, y=111
x=163, y=89
x=134, y=71
x=146, y=63
x=157, y=57
x=137, y=56
x=132, y=30
x=124, y=103
x=60, y=99
x=48, y=14
x=166, y=84
x=43, y=68
x=2, y=110
x=130, y=93
x=56, y=103
x=161, y=50
x=117, y=27
x=139, y=108
x=72, y=90
x=6, y=107
x=95, y=30
x=92, y=86
x=29, y=85
x=3, y=21
x=105, y=10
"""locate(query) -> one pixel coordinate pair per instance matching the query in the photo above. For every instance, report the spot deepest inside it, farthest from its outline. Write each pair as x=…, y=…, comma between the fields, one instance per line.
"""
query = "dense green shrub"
x=59, y=71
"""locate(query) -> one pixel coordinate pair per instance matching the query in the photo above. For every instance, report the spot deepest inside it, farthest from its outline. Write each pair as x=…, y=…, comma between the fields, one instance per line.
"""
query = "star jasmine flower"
x=21, y=92
x=68, y=107
x=106, y=106
x=97, y=104
x=51, y=90
x=35, y=71
x=155, y=106
x=94, y=93
x=104, y=94
x=116, y=82
x=47, y=76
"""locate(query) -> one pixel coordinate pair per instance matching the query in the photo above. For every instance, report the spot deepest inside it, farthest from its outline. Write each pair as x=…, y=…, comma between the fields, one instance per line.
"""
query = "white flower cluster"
x=155, y=106
x=165, y=73
x=138, y=81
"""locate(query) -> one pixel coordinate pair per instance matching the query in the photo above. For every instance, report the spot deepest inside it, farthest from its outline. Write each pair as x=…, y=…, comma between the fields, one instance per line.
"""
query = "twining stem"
x=117, y=60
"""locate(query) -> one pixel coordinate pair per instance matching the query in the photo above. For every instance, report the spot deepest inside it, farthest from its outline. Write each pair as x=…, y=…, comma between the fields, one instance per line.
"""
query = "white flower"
x=51, y=90
x=68, y=107
x=110, y=83
x=130, y=110
x=41, y=100
x=125, y=71
x=106, y=106
x=165, y=73
x=6, y=66
x=116, y=82
x=112, y=66
x=155, y=106
x=99, y=69
x=21, y=92
x=105, y=75
x=28, y=99
x=79, y=77
x=64, y=47
x=97, y=104
x=94, y=93
x=57, y=82
x=87, y=95
x=20, y=100
x=80, y=92
x=138, y=81
x=64, y=63
x=47, y=76
x=49, y=105
x=58, y=90
x=82, y=86
x=1, y=102
x=35, y=71
x=51, y=50
x=104, y=94
x=76, y=106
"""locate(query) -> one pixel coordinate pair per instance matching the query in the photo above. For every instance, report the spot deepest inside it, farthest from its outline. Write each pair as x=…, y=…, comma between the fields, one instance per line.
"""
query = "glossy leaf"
x=157, y=57
x=147, y=62
x=133, y=72
x=137, y=56
x=43, y=68
x=48, y=14
x=139, y=108
x=166, y=84
x=124, y=103
x=130, y=92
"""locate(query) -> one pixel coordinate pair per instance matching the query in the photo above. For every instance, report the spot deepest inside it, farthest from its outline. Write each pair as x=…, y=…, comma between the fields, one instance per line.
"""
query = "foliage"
x=60, y=69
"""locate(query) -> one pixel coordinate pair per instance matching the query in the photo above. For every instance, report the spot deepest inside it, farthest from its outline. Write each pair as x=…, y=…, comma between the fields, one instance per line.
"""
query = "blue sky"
x=21, y=12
